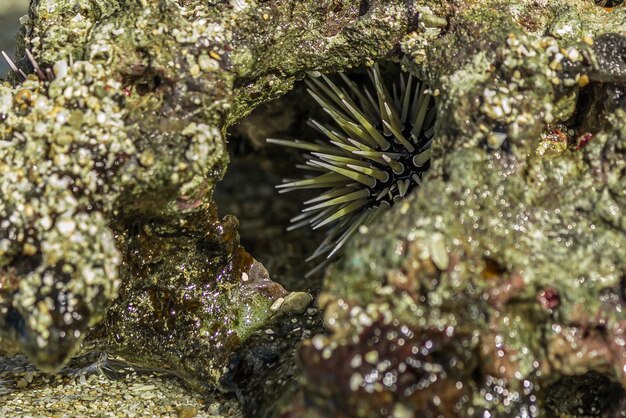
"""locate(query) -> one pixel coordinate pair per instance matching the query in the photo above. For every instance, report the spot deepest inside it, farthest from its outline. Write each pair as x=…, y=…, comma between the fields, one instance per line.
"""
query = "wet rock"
x=501, y=276
x=127, y=136
x=190, y=297
x=388, y=368
x=517, y=250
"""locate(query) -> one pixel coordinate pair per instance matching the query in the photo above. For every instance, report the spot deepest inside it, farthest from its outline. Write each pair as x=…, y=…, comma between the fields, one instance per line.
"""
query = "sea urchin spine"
x=47, y=75
x=377, y=152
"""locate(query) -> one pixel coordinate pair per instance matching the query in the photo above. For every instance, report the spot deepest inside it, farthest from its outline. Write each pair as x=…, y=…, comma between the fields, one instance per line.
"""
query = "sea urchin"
x=376, y=152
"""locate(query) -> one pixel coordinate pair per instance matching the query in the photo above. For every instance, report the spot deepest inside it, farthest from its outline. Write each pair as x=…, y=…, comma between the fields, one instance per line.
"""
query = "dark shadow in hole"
x=364, y=7
x=248, y=188
x=590, y=394
x=148, y=84
x=609, y=3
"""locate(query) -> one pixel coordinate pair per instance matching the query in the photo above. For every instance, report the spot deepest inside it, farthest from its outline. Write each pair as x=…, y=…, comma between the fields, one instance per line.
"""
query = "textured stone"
x=504, y=271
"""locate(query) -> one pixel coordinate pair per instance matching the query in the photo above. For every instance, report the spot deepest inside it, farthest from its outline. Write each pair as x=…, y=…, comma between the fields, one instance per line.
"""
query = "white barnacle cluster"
x=375, y=151
x=204, y=141
x=429, y=28
x=508, y=103
x=62, y=139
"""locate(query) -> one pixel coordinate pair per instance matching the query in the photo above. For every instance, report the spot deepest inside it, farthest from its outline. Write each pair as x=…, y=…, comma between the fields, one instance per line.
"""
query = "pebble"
x=187, y=412
x=295, y=302
x=277, y=303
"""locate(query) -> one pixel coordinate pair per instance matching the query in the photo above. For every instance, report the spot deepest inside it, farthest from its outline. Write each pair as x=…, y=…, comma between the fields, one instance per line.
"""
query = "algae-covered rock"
x=195, y=297
x=495, y=288
x=115, y=138
x=119, y=133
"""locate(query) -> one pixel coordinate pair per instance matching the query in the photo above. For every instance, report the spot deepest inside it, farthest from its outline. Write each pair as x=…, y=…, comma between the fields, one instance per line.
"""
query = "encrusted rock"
x=484, y=291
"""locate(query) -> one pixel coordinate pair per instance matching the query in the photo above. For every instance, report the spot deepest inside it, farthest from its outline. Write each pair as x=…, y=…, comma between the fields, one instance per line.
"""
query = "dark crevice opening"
x=609, y=3
x=591, y=394
x=248, y=188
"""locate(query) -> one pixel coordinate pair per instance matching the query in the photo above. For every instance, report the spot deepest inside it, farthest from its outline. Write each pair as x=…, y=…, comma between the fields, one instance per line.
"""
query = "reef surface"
x=496, y=287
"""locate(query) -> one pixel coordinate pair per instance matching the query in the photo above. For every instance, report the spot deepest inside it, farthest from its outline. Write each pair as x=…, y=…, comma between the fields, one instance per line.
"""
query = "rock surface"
x=497, y=286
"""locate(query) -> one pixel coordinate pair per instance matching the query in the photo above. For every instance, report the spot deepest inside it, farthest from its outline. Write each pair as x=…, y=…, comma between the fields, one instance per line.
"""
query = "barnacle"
x=376, y=150
x=63, y=141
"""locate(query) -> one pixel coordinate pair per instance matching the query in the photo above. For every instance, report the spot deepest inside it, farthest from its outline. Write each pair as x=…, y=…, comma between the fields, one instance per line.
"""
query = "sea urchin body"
x=375, y=152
